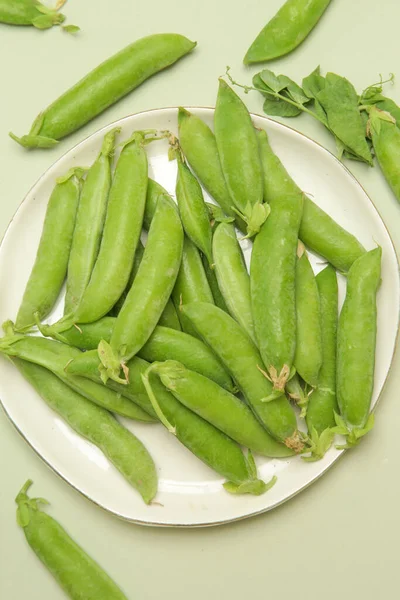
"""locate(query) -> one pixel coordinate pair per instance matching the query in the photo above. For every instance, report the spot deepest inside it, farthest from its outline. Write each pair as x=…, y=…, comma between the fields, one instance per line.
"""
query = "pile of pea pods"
x=178, y=332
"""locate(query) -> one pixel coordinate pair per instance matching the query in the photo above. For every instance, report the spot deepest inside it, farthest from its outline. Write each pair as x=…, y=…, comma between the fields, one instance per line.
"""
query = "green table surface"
x=339, y=538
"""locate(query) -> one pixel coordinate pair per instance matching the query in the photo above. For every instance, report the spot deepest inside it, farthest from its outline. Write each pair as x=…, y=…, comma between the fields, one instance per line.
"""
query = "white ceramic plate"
x=190, y=494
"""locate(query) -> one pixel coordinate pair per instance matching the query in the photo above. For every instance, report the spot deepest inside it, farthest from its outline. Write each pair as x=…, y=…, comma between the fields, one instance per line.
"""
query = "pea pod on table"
x=74, y=570
x=89, y=223
x=51, y=262
x=124, y=450
x=356, y=341
x=242, y=359
x=318, y=231
x=103, y=86
x=30, y=12
x=385, y=136
x=293, y=22
x=150, y=291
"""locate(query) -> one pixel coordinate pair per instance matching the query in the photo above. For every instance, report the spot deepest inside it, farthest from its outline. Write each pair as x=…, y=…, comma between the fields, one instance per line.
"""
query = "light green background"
x=338, y=539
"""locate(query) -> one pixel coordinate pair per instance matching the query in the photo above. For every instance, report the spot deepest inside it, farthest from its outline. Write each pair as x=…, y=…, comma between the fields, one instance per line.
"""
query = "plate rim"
x=148, y=523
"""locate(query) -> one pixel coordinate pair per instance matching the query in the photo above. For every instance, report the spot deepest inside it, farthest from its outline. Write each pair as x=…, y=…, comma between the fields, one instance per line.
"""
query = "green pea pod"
x=191, y=284
x=233, y=278
x=163, y=344
x=74, y=570
x=154, y=191
x=241, y=358
x=97, y=425
x=29, y=12
x=200, y=437
x=106, y=84
x=54, y=357
x=308, y=355
x=318, y=231
x=385, y=136
x=200, y=149
x=356, y=344
x=293, y=22
x=213, y=283
x=192, y=209
x=218, y=407
x=169, y=317
x=238, y=150
x=272, y=283
x=89, y=224
x=88, y=335
x=322, y=403
x=151, y=288
x=51, y=263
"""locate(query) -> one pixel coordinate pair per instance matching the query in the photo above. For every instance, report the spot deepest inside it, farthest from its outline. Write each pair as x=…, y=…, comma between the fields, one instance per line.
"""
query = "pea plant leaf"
x=280, y=108
x=271, y=81
x=339, y=100
x=313, y=83
x=293, y=91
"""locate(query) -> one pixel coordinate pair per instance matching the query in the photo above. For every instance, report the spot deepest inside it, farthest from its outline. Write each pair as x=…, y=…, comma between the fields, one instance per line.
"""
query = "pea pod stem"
x=153, y=399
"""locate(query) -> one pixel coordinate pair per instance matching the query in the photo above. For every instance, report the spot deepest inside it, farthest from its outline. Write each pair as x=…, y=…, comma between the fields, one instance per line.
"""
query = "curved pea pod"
x=233, y=278
x=103, y=86
x=293, y=22
x=308, y=355
x=151, y=288
x=200, y=149
x=154, y=191
x=54, y=356
x=163, y=344
x=356, y=340
x=89, y=224
x=241, y=358
x=318, y=231
x=124, y=450
x=88, y=335
x=322, y=403
x=169, y=317
x=238, y=150
x=219, y=407
x=51, y=263
x=272, y=284
x=191, y=284
x=29, y=12
x=385, y=136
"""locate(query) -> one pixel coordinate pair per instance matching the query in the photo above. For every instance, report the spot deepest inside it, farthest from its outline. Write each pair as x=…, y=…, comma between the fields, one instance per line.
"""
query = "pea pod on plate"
x=102, y=87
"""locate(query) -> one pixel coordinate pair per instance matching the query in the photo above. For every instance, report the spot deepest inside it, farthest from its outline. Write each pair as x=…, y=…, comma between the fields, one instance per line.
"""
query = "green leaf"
x=256, y=487
x=270, y=80
x=293, y=90
x=110, y=366
x=217, y=214
x=43, y=21
x=34, y=141
x=340, y=102
x=258, y=216
x=313, y=84
x=276, y=107
x=71, y=28
x=251, y=464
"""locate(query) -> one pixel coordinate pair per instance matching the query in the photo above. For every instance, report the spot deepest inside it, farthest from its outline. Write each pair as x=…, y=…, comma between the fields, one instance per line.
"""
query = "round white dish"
x=190, y=494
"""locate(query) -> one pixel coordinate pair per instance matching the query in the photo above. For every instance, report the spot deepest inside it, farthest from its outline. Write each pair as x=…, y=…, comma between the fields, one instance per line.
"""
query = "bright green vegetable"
x=218, y=407
x=287, y=29
x=50, y=268
x=30, y=12
x=241, y=358
x=318, y=231
x=233, y=278
x=89, y=224
x=385, y=136
x=97, y=425
x=150, y=291
x=308, y=355
x=356, y=346
x=213, y=283
x=103, y=86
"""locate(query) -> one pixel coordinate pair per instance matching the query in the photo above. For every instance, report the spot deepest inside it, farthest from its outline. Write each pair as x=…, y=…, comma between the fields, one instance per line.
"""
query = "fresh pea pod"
x=308, y=355
x=356, y=346
x=191, y=284
x=200, y=437
x=322, y=403
x=154, y=191
x=169, y=317
x=103, y=86
x=225, y=336
x=89, y=224
x=385, y=136
x=200, y=149
x=54, y=356
x=74, y=570
x=233, y=278
x=218, y=407
x=30, y=12
x=238, y=150
x=272, y=284
x=293, y=22
x=97, y=425
x=318, y=231
x=51, y=263
x=151, y=288
x=213, y=283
